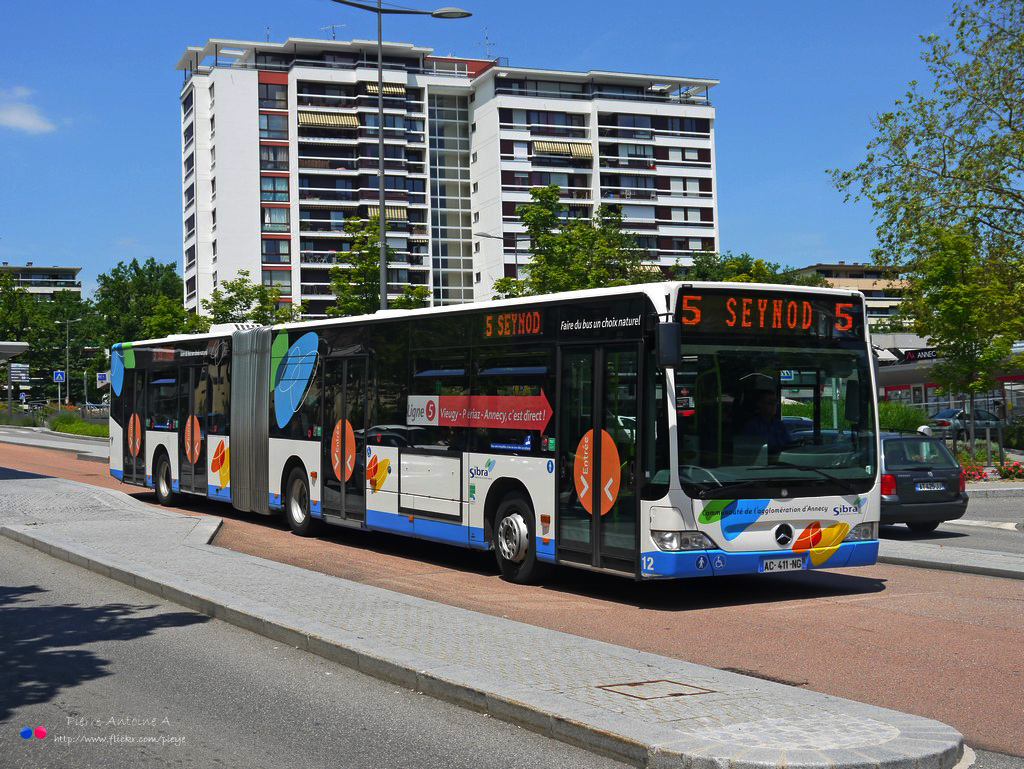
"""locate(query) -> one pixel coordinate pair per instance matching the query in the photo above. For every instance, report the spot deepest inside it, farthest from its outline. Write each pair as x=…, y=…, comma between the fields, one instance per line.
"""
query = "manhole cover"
x=654, y=690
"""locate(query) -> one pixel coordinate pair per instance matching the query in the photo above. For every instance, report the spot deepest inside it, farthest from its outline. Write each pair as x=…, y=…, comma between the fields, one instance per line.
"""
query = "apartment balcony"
x=636, y=164
x=329, y=164
x=323, y=100
x=570, y=193
x=649, y=134
x=322, y=195
x=512, y=90
x=628, y=193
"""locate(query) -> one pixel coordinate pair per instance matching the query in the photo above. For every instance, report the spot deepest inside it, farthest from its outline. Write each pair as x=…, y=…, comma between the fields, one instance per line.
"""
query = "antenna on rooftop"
x=268, y=34
x=487, y=45
x=332, y=28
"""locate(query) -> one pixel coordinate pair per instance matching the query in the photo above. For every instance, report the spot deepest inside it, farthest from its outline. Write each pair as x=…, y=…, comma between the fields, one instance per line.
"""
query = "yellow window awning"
x=328, y=120
x=390, y=89
x=390, y=212
x=551, y=148
x=579, y=150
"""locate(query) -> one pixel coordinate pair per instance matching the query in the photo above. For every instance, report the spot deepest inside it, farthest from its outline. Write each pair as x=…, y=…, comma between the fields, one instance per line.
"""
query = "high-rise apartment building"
x=280, y=147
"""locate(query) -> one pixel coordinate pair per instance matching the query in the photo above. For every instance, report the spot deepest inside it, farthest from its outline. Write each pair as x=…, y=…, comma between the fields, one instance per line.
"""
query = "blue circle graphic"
x=293, y=377
x=26, y=733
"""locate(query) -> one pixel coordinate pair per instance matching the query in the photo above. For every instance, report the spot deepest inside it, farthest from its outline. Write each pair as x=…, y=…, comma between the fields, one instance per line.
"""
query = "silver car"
x=950, y=423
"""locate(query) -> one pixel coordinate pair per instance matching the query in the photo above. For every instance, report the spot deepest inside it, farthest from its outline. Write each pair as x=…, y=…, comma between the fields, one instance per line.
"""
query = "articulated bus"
x=615, y=430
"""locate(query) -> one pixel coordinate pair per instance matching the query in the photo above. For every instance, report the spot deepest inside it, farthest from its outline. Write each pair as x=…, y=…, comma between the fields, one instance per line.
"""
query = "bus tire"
x=296, y=505
x=165, y=494
x=514, y=544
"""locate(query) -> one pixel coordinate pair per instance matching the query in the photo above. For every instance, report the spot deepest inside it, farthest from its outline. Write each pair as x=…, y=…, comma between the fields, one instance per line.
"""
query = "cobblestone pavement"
x=650, y=710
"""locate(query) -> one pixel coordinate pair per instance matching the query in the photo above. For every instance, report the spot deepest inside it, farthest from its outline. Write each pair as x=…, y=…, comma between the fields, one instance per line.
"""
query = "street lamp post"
x=67, y=358
x=440, y=13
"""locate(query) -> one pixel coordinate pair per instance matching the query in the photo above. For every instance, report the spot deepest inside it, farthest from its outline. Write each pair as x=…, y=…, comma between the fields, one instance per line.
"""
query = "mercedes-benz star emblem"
x=784, y=534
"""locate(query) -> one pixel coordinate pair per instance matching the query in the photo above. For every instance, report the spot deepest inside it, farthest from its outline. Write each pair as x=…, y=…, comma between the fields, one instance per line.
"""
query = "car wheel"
x=514, y=544
x=296, y=505
x=923, y=527
x=165, y=494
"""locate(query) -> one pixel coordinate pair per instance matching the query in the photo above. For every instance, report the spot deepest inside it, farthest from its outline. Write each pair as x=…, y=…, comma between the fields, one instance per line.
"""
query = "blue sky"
x=89, y=104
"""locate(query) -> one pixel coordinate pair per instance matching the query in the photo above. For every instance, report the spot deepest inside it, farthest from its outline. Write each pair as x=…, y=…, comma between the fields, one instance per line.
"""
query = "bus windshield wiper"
x=838, y=481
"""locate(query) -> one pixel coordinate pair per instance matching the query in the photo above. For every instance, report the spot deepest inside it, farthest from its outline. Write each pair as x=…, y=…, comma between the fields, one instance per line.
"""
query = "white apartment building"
x=280, y=146
x=44, y=282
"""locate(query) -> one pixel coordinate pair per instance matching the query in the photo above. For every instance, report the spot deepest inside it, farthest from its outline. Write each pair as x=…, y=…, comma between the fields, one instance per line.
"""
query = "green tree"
x=356, y=285
x=711, y=266
x=18, y=310
x=957, y=300
x=169, y=317
x=569, y=254
x=241, y=301
x=955, y=152
x=127, y=295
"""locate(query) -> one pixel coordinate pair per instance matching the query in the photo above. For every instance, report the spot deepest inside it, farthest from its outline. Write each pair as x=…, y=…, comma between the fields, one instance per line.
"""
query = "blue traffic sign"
x=58, y=376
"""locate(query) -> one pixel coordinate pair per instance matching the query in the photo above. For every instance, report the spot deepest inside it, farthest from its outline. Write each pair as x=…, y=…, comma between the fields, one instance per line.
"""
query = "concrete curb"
x=754, y=744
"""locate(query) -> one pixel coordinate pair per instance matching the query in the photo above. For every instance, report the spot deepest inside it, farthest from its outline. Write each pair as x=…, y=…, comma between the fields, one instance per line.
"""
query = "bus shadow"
x=9, y=474
x=903, y=534
x=714, y=592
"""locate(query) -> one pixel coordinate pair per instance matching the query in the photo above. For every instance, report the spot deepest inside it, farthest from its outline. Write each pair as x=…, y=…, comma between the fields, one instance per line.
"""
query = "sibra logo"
x=854, y=508
x=482, y=472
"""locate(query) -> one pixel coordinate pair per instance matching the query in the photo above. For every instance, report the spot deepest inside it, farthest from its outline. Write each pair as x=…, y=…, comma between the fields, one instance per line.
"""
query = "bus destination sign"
x=508, y=324
x=772, y=313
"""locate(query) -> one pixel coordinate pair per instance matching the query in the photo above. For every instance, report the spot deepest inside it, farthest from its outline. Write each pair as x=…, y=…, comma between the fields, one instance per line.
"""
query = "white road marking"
x=986, y=524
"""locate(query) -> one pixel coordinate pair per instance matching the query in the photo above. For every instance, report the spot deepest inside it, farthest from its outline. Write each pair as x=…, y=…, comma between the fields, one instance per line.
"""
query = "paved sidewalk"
x=649, y=710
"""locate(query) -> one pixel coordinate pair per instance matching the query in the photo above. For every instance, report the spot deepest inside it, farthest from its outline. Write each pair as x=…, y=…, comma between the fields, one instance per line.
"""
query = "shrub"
x=897, y=417
x=1010, y=470
x=973, y=471
x=68, y=423
x=1013, y=435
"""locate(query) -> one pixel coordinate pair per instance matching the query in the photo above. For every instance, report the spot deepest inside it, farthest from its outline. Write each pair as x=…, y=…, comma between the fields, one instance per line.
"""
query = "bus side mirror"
x=668, y=338
x=852, y=412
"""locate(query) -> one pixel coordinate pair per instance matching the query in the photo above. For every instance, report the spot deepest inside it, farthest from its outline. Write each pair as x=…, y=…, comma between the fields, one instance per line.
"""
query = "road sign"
x=23, y=397
x=58, y=376
x=102, y=378
x=19, y=372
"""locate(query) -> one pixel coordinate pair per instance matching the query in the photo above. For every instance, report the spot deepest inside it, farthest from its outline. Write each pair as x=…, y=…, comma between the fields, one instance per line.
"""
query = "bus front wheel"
x=162, y=480
x=296, y=505
x=514, y=544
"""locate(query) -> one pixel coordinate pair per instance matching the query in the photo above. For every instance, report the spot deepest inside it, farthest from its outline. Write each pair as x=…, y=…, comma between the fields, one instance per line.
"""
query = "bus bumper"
x=714, y=563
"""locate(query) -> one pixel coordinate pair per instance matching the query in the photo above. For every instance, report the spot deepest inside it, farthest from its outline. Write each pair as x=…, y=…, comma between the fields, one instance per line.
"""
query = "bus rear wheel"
x=514, y=542
x=296, y=505
x=162, y=481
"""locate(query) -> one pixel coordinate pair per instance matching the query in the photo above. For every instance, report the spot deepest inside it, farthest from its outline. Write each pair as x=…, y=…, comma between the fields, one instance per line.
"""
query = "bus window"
x=163, y=400
x=511, y=382
x=445, y=376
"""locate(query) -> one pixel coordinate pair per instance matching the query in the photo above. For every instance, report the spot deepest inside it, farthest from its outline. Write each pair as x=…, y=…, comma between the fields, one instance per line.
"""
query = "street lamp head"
x=450, y=13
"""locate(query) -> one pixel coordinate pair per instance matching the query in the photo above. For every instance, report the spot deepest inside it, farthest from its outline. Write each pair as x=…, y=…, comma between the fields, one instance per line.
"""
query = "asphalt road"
x=991, y=523
x=937, y=644
x=120, y=680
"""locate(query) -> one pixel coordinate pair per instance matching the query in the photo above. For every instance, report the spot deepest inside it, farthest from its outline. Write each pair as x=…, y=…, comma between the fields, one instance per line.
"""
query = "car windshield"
x=945, y=414
x=729, y=399
x=915, y=453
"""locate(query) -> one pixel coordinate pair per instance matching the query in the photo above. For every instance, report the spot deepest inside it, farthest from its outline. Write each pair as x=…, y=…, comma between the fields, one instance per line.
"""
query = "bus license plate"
x=930, y=486
x=771, y=565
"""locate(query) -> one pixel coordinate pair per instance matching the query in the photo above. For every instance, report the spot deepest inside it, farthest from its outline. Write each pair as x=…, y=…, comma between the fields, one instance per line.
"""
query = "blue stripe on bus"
x=276, y=503
x=216, y=492
x=149, y=481
x=421, y=528
x=175, y=486
x=711, y=563
x=546, y=552
x=314, y=509
x=119, y=474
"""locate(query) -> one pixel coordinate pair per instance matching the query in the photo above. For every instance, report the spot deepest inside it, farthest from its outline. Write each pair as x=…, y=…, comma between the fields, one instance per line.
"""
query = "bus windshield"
x=754, y=420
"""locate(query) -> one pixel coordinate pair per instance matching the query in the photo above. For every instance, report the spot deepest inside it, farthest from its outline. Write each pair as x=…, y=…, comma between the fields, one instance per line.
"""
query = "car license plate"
x=771, y=565
x=930, y=486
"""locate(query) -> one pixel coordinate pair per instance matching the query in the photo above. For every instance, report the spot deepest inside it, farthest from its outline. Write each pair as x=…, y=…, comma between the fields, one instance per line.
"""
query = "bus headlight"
x=863, y=532
x=681, y=540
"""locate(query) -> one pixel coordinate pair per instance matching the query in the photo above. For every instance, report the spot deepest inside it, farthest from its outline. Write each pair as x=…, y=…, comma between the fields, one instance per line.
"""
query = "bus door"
x=193, y=409
x=598, y=404
x=343, y=457
x=133, y=411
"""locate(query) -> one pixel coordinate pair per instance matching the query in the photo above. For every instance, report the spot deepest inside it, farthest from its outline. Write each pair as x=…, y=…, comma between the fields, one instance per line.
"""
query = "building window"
x=214, y=245
x=472, y=158
x=273, y=158
x=476, y=187
x=213, y=188
x=476, y=217
x=279, y=279
x=215, y=280
x=274, y=188
x=273, y=126
x=273, y=96
x=276, y=219
x=213, y=125
x=277, y=252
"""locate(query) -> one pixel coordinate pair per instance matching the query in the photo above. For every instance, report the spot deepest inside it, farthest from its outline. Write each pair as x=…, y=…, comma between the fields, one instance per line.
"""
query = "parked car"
x=956, y=422
x=922, y=483
x=797, y=423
